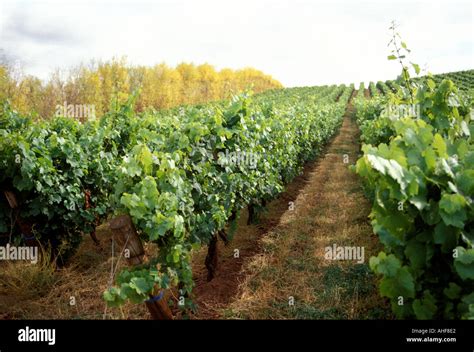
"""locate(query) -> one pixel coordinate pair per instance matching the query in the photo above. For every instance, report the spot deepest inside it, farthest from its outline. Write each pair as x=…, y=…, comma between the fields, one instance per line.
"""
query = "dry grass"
x=22, y=281
x=43, y=291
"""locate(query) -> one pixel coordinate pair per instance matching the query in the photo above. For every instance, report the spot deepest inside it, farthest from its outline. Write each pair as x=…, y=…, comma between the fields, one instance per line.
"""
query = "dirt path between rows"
x=284, y=256
x=212, y=297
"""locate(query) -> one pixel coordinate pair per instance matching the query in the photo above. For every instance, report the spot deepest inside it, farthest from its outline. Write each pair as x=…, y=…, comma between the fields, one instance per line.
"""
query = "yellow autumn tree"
x=190, y=83
x=114, y=83
x=136, y=77
x=208, y=83
x=28, y=95
x=227, y=83
x=4, y=82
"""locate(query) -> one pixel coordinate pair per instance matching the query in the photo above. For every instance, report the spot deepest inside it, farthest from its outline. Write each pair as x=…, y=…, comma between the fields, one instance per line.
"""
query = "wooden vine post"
x=212, y=258
x=127, y=238
x=87, y=194
x=11, y=199
x=26, y=227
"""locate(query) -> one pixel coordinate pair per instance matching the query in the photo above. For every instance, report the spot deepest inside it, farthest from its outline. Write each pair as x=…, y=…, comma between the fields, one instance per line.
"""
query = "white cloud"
x=298, y=42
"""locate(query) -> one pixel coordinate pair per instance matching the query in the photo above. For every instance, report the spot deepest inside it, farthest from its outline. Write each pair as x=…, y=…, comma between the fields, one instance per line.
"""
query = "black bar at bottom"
x=307, y=335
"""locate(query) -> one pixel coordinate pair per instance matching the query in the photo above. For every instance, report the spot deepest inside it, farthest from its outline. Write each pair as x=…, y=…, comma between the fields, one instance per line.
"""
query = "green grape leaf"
x=453, y=291
x=401, y=284
x=416, y=67
x=416, y=253
x=425, y=308
x=452, y=210
x=440, y=146
x=140, y=285
x=385, y=265
x=389, y=167
x=464, y=263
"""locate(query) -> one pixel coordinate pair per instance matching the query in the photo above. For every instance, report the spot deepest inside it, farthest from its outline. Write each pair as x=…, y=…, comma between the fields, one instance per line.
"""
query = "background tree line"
x=97, y=83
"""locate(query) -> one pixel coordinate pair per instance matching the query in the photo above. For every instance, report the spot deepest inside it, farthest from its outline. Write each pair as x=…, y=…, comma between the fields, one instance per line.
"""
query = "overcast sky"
x=299, y=42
